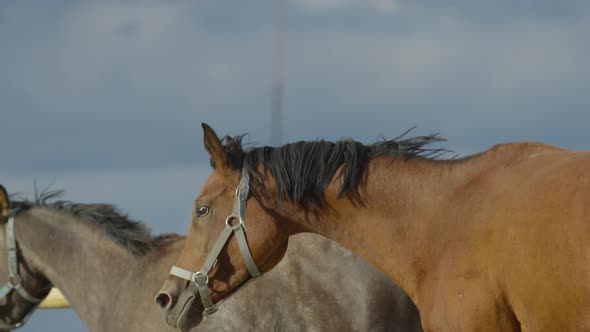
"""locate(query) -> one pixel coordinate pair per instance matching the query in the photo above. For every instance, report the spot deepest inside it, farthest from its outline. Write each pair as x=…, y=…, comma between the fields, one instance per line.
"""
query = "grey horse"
x=110, y=268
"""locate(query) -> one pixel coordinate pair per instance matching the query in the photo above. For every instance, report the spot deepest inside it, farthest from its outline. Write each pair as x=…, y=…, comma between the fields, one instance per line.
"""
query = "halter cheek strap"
x=201, y=278
x=14, y=278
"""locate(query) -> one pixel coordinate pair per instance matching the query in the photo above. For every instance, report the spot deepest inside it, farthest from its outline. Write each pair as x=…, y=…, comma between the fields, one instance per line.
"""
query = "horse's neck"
x=89, y=268
x=394, y=230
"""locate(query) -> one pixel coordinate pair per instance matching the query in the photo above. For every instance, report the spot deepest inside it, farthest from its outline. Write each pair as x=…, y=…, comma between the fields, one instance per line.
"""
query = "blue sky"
x=105, y=99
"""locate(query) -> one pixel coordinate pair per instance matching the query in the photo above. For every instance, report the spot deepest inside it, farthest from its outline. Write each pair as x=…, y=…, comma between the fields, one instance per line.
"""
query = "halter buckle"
x=15, y=281
x=209, y=311
x=204, y=279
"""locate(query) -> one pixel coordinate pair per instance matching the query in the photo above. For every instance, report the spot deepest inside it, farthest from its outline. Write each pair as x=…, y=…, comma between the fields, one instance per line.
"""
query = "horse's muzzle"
x=182, y=308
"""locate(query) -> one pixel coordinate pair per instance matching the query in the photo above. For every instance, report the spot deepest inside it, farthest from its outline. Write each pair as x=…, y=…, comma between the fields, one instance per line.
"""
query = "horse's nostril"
x=163, y=300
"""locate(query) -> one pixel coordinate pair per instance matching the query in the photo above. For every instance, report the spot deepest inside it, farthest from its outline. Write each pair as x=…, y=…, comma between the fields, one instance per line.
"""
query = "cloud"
x=332, y=5
x=98, y=85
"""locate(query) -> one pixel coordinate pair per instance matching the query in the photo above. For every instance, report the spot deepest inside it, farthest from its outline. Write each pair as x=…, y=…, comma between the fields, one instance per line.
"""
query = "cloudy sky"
x=105, y=99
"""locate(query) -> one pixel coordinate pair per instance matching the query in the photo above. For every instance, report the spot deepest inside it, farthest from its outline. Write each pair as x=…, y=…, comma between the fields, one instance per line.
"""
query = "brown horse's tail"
x=4, y=205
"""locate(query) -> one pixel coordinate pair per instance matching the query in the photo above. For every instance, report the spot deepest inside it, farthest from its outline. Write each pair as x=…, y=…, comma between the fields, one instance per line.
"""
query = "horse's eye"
x=202, y=211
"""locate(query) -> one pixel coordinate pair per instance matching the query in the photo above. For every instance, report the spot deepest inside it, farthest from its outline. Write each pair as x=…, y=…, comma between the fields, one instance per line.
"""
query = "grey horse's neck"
x=106, y=285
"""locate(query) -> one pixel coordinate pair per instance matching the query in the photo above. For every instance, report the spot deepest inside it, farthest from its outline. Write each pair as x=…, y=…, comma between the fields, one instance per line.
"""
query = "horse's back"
x=540, y=226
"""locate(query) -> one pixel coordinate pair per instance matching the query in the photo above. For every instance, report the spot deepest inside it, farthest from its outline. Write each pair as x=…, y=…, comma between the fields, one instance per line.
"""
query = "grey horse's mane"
x=132, y=235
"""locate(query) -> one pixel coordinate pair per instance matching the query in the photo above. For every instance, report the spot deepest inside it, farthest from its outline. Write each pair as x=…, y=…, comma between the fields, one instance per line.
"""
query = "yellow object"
x=54, y=300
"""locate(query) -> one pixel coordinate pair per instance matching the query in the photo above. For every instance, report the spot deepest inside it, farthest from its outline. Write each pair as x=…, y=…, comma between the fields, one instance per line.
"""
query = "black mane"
x=303, y=170
x=132, y=235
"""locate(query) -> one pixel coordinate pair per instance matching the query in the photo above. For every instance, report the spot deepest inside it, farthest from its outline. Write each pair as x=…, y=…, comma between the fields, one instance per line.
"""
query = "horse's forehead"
x=215, y=185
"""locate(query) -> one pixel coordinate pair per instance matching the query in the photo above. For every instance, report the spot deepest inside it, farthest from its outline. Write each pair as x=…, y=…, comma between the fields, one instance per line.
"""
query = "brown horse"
x=110, y=268
x=499, y=241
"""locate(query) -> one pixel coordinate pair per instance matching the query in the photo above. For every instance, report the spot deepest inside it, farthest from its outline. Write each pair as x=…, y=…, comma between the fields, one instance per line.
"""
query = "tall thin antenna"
x=278, y=84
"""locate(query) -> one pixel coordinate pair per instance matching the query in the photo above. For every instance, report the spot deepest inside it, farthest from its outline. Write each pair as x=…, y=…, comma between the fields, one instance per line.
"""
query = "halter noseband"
x=14, y=278
x=201, y=278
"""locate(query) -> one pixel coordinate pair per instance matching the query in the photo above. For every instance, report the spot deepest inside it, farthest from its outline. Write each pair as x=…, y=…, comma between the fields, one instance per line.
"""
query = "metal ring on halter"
x=200, y=274
x=230, y=218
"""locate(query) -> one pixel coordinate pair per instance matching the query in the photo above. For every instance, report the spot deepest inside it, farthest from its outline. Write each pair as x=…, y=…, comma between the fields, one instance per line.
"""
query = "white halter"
x=14, y=278
x=200, y=279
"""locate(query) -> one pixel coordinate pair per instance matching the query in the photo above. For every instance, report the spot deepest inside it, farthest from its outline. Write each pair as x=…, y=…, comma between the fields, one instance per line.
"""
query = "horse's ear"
x=214, y=147
x=4, y=205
